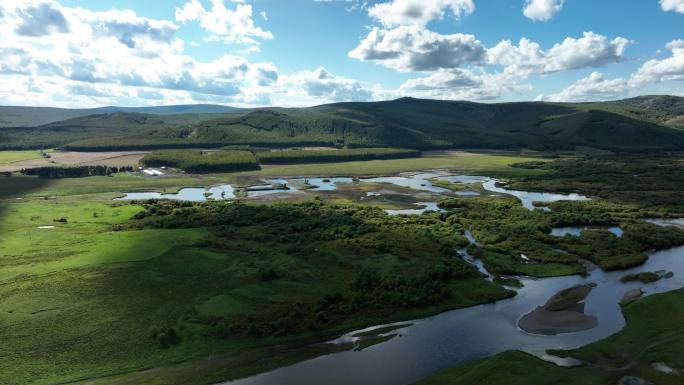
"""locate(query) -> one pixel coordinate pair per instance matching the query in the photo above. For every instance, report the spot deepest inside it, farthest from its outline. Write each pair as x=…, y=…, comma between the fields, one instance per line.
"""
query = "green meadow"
x=7, y=157
x=99, y=291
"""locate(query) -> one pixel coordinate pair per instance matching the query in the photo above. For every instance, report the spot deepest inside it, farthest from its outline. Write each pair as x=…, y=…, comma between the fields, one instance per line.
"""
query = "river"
x=455, y=337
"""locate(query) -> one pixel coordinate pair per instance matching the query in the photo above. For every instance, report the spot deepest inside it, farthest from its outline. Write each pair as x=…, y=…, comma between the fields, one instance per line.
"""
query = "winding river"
x=458, y=336
x=455, y=337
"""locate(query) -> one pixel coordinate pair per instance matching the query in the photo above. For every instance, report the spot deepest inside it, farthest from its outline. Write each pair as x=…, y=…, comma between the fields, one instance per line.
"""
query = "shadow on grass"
x=14, y=189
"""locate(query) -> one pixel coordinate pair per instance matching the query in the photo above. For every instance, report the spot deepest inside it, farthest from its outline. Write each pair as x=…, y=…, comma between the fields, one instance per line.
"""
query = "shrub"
x=344, y=155
x=199, y=161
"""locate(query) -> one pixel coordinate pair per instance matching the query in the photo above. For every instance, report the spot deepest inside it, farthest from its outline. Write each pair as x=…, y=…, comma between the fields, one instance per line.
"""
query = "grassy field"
x=104, y=298
x=490, y=164
x=653, y=334
x=7, y=157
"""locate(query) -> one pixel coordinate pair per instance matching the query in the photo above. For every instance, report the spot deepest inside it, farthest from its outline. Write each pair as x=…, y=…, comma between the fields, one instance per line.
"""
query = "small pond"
x=576, y=231
x=427, y=206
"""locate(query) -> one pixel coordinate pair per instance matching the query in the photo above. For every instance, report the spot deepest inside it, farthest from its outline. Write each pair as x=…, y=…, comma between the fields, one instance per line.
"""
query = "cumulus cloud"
x=593, y=87
x=413, y=48
x=91, y=53
x=418, y=12
x=319, y=86
x=597, y=87
x=672, y=5
x=456, y=84
x=591, y=50
x=40, y=20
x=223, y=24
x=654, y=71
x=542, y=10
x=458, y=64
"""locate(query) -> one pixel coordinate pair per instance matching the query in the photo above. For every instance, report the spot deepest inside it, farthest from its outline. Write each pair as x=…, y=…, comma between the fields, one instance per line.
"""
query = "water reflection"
x=458, y=336
x=576, y=231
x=679, y=222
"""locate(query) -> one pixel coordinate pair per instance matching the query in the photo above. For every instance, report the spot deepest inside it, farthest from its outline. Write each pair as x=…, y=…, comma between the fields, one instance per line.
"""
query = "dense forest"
x=202, y=161
x=342, y=155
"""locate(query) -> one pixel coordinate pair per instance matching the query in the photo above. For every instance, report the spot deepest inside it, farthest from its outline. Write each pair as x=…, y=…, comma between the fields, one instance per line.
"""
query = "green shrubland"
x=202, y=161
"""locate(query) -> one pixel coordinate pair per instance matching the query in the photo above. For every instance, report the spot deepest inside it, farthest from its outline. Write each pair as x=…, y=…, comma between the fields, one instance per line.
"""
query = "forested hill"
x=13, y=116
x=649, y=123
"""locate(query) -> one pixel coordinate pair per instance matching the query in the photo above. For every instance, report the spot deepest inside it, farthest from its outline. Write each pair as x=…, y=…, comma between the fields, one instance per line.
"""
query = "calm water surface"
x=576, y=231
x=455, y=337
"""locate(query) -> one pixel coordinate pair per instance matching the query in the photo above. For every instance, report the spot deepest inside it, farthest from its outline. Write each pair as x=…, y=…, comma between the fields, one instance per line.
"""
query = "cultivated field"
x=17, y=160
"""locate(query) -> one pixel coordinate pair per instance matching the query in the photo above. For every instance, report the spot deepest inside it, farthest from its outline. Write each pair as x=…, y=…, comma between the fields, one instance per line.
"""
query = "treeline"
x=202, y=161
x=147, y=143
x=343, y=155
x=74, y=171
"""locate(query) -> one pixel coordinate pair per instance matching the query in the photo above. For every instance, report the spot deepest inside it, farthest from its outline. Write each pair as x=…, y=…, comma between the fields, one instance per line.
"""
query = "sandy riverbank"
x=562, y=313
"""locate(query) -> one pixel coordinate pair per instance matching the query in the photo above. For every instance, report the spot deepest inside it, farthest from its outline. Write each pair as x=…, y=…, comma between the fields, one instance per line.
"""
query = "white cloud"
x=418, y=12
x=654, y=71
x=229, y=26
x=85, y=52
x=118, y=58
x=414, y=48
x=459, y=84
x=542, y=10
x=592, y=88
x=672, y=5
x=41, y=19
x=317, y=87
x=596, y=87
x=591, y=50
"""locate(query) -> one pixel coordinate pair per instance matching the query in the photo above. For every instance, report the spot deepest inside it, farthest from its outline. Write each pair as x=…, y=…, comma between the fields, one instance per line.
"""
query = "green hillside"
x=663, y=109
x=649, y=123
x=105, y=127
x=15, y=116
x=35, y=116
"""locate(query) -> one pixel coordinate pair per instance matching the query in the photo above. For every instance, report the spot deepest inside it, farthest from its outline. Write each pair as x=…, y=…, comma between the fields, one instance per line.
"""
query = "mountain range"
x=645, y=123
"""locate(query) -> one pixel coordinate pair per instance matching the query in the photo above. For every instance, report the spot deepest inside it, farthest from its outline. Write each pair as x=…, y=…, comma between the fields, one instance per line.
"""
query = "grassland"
x=180, y=293
x=8, y=157
x=490, y=164
x=126, y=287
x=653, y=334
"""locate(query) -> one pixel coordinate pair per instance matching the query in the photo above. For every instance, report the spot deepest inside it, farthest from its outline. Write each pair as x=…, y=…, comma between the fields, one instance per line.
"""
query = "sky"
x=77, y=53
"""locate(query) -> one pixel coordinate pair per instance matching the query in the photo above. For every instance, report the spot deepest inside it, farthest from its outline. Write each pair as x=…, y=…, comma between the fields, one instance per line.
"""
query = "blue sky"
x=77, y=53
